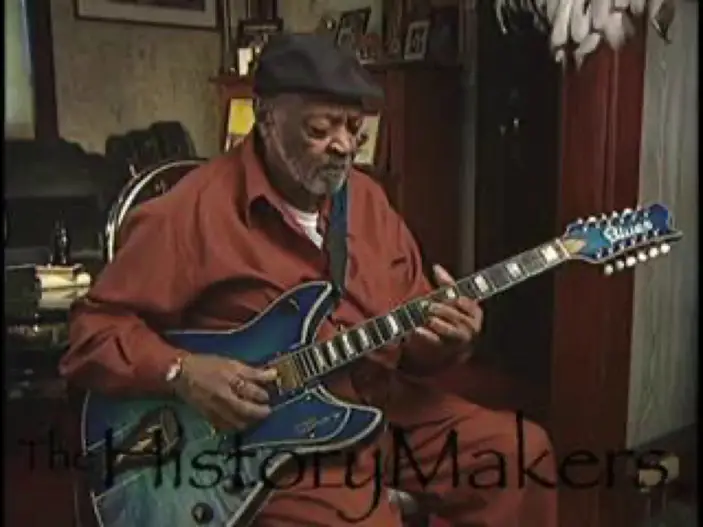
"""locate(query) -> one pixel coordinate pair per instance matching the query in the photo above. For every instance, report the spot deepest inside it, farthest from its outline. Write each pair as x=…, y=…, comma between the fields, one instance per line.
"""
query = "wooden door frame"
x=41, y=45
x=600, y=155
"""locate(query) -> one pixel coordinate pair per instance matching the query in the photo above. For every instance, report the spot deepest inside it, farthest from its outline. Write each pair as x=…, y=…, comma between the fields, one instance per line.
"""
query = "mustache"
x=339, y=165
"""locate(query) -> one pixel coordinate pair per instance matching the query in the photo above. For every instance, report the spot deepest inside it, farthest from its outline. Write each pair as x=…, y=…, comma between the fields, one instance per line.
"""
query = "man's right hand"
x=230, y=394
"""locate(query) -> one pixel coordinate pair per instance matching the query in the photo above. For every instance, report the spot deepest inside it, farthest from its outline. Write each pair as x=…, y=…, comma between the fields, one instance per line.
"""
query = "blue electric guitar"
x=159, y=463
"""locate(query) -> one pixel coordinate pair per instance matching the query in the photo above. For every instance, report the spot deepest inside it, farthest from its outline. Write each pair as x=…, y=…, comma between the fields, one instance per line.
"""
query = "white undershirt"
x=308, y=222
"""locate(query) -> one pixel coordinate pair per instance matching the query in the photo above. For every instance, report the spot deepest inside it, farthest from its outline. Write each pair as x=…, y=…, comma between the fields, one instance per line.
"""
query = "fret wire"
x=498, y=276
x=404, y=318
x=297, y=366
x=347, y=345
x=375, y=332
x=339, y=347
x=310, y=370
x=330, y=356
x=306, y=364
x=467, y=287
x=416, y=313
x=531, y=262
x=318, y=356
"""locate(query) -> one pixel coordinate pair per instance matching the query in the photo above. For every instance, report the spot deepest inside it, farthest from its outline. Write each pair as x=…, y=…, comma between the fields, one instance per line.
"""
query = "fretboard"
x=319, y=359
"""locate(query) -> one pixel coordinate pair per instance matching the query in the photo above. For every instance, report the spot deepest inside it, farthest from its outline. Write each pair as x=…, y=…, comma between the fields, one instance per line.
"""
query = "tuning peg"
x=653, y=252
x=591, y=219
x=608, y=270
x=642, y=256
x=627, y=212
x=579, y=221
x=619, y=265
x=664, y=247
x=630, y=261
x=604, y=217
x=615, y=214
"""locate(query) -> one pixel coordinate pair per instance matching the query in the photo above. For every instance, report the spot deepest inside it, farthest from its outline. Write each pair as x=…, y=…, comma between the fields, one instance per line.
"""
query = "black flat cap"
x=312, y=63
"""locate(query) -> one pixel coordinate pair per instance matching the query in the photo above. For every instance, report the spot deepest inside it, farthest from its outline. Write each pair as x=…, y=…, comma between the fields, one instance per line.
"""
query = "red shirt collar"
x=257, y=185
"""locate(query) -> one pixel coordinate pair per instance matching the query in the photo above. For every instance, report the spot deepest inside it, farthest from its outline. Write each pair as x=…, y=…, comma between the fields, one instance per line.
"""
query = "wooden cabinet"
x=418, y=157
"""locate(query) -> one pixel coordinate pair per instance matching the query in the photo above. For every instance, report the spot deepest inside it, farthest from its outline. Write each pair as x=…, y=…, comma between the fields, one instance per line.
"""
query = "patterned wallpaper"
x=663, y=378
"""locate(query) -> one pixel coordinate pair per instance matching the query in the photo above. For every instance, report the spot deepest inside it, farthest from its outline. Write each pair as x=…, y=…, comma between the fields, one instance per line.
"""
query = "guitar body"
x=195, y=464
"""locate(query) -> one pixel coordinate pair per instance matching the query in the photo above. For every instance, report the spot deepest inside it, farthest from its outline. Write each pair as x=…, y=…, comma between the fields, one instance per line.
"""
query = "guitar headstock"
x=622, y=239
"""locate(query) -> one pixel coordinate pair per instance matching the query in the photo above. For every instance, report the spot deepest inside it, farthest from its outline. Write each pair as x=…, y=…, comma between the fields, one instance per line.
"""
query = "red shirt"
x=212, y=253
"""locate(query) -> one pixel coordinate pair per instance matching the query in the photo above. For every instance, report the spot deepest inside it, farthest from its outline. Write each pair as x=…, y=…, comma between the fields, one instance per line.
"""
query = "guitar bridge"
x=289, y=377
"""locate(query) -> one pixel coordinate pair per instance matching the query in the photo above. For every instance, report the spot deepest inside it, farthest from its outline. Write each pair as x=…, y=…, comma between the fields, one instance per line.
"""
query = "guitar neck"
x=319, y=359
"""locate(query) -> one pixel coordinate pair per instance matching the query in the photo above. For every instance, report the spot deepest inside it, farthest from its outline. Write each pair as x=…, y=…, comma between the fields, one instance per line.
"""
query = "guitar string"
x=464, y=286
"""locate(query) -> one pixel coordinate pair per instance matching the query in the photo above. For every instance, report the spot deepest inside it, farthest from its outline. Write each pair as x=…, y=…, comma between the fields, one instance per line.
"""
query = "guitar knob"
x=664, y=247
x=653, y=252
x=641, y=256
x=630, y=261
x=619, y=265
x=202, y=513
x=609, y=269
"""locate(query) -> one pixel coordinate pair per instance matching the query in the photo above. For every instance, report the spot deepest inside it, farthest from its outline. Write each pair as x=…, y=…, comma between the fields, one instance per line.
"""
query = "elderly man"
x=240, y=231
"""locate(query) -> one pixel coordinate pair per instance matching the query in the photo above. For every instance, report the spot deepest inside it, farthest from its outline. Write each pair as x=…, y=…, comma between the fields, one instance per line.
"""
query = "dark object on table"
x=132, y=152
x=50, y=181
x=61, y=244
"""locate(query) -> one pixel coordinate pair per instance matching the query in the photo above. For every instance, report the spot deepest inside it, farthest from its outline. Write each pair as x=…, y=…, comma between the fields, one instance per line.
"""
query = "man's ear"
x=262, y=111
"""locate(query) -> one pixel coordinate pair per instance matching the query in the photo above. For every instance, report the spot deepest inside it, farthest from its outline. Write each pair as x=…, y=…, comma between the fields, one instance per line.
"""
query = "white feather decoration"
x=588, y=46
x=637, y=7
x=599, y=13
x=560, y=29
x=614, y=30
x=580, y=21
x=577, y=27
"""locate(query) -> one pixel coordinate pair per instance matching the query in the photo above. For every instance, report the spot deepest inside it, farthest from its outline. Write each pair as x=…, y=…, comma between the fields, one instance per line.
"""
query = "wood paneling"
x=601, y=126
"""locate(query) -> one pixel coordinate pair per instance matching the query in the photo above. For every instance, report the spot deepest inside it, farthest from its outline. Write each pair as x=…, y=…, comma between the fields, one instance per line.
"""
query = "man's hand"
x=454, y=322
x=230, y=394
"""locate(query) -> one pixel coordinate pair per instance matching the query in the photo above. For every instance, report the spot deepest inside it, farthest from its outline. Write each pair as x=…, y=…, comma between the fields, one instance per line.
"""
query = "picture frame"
x=240, y=121
x=443, y=45
x=371, y=126
x=416, y=40
x=191, y=14
x=352, y=25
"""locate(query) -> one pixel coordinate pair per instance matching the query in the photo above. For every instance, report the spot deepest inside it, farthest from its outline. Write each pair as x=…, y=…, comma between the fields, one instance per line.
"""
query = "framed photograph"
x=254, y=33
x=196, y=14
x=366, y=156
x=352, y=25
x=240, y=120
x=443, y=44
x=416, y=40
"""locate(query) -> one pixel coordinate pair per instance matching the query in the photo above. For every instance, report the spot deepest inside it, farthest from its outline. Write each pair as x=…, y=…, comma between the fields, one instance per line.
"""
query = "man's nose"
x=342, y=144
